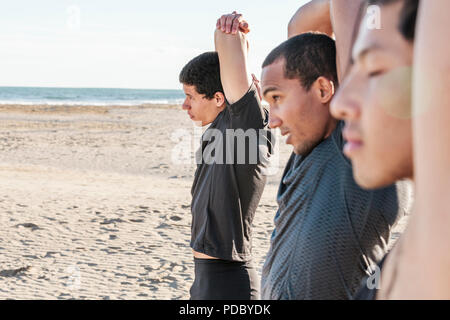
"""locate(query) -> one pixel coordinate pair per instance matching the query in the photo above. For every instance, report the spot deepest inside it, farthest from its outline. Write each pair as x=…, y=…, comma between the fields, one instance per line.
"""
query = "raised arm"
x=423, y=263
x=232, y=47
x=344, y=19
x=338, y=17
x=313, y=16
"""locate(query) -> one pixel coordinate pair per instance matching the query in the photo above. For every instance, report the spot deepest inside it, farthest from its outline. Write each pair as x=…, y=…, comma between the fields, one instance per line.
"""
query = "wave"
x=90, y=103
x=88, y=96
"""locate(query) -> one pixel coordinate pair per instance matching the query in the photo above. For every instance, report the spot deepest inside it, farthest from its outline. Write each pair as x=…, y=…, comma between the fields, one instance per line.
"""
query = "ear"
x=219, y=98
x=324, y=89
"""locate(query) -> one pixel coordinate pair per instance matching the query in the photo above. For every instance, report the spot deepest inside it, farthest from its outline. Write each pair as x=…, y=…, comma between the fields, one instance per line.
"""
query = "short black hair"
x=307, y=57
x=203, y=72
x=408, y=16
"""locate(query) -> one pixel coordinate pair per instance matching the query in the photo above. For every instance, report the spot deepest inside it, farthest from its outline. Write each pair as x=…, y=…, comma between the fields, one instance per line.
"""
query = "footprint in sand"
x=110, y=221
x=14, y=272
x=31, y=226
x=163, y=226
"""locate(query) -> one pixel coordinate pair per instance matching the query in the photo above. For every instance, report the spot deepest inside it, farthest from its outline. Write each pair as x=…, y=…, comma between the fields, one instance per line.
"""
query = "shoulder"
x=249, y=98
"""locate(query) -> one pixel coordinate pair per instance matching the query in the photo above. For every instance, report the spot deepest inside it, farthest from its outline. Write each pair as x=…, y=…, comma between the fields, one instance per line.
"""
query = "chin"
x=364, y=183
x=303, y=149
x=197, y=123
x=370, y=179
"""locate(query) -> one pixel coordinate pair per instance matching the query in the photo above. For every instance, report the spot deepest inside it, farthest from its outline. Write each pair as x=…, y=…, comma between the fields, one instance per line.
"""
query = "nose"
x=345, y=105
x=274, y=121
x=185, y=105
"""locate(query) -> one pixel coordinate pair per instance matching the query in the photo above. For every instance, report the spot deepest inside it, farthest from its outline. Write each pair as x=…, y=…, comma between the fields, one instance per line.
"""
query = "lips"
x=286, y=133
x=353, y=142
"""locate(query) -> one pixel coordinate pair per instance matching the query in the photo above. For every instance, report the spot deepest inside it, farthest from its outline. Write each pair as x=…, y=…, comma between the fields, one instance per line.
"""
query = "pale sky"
x=123, y=43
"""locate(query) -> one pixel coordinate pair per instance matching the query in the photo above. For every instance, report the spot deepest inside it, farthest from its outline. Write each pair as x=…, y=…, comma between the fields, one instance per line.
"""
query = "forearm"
x=232, y=50
x=313, y=16
x=344, y=19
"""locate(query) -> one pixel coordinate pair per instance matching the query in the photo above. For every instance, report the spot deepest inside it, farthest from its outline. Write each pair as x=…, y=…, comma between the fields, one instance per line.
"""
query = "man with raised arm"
x=375, y=102
x=229, y=179
x=328, y=230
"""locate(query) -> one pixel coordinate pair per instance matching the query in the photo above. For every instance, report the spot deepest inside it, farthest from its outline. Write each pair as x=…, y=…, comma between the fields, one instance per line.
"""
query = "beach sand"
x=93, y=207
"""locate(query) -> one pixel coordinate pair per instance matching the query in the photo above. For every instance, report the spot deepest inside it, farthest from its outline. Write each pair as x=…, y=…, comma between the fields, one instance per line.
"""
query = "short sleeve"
x=248, y=112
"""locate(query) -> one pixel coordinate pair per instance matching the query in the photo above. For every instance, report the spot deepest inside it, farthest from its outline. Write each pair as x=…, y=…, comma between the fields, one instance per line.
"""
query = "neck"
x=331, y=126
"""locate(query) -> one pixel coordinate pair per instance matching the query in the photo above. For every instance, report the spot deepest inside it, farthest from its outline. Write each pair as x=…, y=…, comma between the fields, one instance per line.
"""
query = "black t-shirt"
x=226, y=189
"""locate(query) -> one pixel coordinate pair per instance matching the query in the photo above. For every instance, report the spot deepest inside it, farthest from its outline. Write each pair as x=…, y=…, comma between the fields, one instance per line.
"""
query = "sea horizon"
x=87, y=96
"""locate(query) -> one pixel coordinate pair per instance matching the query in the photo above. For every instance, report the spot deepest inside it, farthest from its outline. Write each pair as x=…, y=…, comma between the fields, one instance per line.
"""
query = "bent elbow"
x=291, y=29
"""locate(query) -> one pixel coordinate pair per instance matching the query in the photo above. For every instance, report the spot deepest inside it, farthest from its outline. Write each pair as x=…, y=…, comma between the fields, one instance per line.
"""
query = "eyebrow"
x=363, y=53
x=266, y=91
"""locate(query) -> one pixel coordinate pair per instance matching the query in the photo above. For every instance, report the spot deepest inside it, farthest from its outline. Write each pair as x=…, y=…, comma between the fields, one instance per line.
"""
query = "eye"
x=376, y=64
x=275, y=98
x=376, y=73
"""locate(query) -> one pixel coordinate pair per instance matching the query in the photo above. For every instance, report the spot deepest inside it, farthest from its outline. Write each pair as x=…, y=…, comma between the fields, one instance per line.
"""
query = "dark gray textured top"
x=328, y=230
x=225, y=195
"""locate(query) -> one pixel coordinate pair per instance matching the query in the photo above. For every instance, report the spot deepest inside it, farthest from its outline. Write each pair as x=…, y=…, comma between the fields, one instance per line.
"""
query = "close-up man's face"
x=201, y=110
x=375, y=102
x=293, y=109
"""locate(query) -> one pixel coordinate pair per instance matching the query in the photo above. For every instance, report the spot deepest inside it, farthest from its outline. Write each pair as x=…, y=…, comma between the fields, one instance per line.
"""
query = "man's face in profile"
x=375, y=102
x=201, y=110
x=296, y=111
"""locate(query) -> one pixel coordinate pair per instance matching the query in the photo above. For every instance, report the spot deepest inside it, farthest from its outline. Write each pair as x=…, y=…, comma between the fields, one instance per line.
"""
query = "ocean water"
x=88, y=96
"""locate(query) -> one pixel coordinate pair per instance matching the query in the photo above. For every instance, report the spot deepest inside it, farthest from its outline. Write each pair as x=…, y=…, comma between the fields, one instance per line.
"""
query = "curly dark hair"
x=203, y=72
x=308, y=56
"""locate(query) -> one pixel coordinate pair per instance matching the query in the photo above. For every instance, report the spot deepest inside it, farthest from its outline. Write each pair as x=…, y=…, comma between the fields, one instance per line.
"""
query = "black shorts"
x=224, y=280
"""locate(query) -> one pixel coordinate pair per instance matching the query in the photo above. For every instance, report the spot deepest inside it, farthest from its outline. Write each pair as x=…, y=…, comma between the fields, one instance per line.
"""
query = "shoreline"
x=71, y=108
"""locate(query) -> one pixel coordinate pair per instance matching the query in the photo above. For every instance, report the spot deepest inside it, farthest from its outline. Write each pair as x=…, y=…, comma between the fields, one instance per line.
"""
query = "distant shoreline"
x=101, y=97
x=76, y=108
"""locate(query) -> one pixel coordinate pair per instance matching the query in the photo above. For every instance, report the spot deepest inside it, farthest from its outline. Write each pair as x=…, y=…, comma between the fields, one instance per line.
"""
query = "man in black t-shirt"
x=233, y=155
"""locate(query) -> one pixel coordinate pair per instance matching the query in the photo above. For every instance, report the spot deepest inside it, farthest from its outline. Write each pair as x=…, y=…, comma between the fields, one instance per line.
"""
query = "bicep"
x=232, y=51
x=431, y=98
x=425, y=245
x=313, y=16
x=431, y=103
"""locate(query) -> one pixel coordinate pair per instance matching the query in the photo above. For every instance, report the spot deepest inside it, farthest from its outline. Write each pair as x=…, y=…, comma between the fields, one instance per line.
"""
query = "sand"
x=92, y=205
